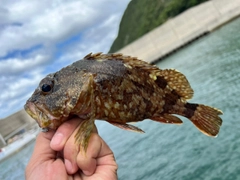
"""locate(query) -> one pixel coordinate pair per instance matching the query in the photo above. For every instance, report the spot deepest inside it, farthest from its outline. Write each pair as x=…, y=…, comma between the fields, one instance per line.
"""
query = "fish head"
x=56, y=96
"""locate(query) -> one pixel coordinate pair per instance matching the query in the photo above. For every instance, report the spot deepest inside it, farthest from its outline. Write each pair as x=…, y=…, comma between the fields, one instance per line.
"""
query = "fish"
x=118, y=89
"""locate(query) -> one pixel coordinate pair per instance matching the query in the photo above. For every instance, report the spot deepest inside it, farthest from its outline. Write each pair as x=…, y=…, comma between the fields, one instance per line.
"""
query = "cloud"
x=16, y=91
x=16, y=66
x=51, y=25
x=39, y=37
x=98, y=39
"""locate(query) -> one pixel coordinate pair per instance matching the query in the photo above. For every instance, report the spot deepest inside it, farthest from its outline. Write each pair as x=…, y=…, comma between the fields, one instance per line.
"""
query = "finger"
x=71, y=151
x=97, y=149
x=107, y=167
x=42, y=150
x=63, y=133
x=44, y=164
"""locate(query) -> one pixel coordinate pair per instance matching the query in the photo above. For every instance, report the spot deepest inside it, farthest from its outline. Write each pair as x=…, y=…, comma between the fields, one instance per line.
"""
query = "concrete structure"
x=13, y=125
x=183, y=29
x=172, y=35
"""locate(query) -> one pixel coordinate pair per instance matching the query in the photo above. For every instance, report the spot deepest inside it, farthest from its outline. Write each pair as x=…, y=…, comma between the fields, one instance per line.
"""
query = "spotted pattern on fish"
x=118, y=89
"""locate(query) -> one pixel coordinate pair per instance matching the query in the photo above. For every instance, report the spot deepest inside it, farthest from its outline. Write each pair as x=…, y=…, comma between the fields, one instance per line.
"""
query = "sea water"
x=180, y=152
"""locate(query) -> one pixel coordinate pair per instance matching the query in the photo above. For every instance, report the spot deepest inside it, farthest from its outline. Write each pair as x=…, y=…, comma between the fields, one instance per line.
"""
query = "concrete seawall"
x=183, y=29
x=14, y=124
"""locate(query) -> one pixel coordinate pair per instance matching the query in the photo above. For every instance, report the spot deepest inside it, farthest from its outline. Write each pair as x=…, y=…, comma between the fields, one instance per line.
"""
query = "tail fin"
x=205, y=118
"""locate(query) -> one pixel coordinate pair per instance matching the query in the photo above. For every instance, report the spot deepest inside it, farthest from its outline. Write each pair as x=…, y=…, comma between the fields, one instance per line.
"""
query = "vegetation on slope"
x=141, y=16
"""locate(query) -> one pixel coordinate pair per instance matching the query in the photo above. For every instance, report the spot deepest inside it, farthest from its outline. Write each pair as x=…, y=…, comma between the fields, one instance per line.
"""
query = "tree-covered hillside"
x=141, y=16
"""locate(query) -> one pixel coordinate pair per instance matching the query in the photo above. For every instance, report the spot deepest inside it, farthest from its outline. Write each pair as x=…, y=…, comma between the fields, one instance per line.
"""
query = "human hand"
x=55, y=156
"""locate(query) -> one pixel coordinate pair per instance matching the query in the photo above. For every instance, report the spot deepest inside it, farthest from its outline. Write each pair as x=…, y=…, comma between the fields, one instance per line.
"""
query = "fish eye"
x=46, y=85
x=46, y=88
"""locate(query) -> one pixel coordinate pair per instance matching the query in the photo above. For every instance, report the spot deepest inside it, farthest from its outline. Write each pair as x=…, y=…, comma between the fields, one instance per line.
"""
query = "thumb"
x=42, y=150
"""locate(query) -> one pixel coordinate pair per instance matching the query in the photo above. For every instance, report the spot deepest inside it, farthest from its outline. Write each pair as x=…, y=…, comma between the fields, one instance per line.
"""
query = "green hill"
x=141, y=16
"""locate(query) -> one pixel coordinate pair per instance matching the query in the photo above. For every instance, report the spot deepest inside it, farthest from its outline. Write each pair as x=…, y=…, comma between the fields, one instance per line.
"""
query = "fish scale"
x=118, y=89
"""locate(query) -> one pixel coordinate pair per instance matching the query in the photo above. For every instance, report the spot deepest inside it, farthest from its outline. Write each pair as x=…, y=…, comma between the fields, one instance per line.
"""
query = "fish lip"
x=30, y=109
x=44, y=119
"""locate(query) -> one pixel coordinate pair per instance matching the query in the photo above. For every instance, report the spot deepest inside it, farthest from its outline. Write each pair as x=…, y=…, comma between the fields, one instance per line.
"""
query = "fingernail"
x=57, y=139
x=68, y=165
x=87, y=173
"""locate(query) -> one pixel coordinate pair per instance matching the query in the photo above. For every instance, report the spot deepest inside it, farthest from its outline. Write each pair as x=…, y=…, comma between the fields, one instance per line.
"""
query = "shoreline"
x=182, y=30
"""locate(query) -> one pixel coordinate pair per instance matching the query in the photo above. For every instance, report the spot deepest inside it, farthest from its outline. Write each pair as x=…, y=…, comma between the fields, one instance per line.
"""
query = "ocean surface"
x=179, y=152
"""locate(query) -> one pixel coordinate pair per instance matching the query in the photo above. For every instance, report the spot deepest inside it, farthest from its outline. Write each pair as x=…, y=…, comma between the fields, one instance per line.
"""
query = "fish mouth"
x=44, y=119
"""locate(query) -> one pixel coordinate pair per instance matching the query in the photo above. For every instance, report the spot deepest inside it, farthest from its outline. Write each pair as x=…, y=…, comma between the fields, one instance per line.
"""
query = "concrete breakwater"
x=182, y=29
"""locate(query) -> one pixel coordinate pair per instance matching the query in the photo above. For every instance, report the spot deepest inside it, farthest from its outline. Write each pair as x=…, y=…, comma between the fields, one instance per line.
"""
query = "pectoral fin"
x=128, y=127
x=83, y=134
x=167, y=118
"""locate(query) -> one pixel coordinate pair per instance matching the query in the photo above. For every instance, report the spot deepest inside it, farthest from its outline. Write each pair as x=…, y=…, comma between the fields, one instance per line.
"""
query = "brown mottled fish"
x=118, y=89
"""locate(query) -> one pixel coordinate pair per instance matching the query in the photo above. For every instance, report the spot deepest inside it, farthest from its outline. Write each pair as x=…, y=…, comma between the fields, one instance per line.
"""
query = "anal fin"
x=167, y=118
x=128, y=127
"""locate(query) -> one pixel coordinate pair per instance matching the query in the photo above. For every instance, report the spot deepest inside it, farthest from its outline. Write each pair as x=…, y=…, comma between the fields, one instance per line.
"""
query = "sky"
x=41, y=37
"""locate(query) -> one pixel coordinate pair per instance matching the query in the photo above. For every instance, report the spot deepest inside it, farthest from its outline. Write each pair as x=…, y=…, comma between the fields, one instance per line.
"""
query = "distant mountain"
x=141, y=16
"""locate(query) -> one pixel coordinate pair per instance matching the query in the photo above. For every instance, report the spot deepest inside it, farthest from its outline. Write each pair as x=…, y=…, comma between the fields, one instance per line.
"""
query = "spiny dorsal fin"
x=177, y=81
x=129, y=60
x=100, y=55
x=93, y=56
